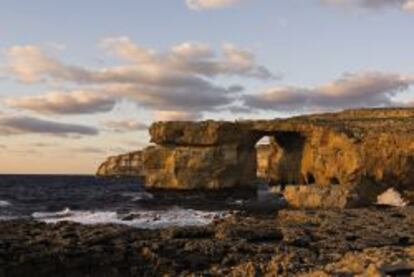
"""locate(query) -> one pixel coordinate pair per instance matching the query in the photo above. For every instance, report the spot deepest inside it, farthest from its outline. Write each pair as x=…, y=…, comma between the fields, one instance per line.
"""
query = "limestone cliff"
x=361, y=151
x=129, y=165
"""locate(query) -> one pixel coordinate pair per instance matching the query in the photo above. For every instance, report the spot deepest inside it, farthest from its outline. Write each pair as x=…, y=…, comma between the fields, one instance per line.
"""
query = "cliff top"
x=354, y=123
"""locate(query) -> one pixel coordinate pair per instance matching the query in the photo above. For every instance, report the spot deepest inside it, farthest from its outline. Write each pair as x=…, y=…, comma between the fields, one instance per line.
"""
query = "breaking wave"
x=139, y=219
x=4, y=203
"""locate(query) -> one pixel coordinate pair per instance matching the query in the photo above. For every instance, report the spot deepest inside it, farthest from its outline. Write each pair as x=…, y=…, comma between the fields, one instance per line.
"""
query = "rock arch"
x=355, y=153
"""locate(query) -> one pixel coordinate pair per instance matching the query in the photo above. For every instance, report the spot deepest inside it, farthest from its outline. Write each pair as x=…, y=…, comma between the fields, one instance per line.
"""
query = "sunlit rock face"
x=363, y=152
x=264, y=153
x=129, y=164
x=302, y=196
x=201, y=134
x=209, y=167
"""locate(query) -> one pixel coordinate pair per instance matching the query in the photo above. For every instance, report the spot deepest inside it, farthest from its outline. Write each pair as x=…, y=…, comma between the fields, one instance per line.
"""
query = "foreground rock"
x=364, y=152
x=321, y=197
x=293, y=243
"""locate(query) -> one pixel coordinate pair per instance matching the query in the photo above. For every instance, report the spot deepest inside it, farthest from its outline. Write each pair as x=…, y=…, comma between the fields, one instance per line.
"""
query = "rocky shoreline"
x=370, y=241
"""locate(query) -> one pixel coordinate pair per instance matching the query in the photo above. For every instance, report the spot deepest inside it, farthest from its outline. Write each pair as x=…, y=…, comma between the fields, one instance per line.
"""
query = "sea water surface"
x=91, y=200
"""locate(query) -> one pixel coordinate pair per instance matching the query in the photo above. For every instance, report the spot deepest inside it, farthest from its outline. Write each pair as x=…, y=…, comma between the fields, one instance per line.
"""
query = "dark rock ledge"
x=292, y=243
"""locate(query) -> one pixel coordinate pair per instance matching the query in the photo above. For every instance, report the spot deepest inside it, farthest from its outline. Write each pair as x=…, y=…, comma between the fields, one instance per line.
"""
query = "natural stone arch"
x=357, y=152
x=285, y=157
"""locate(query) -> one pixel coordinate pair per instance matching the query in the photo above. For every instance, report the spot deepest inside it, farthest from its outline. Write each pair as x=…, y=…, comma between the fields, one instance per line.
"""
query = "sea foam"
x=139, y=219
x=136, y=196
x=4, y=203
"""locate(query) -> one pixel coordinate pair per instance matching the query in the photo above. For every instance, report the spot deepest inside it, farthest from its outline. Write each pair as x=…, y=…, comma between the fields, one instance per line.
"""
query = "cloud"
x=43, y=144
x=211, y=4
x=180, y=78
x=187, y=58
x=126, y=125
x=204, y=98
x=405, y=5
x=14, y=125
x=89, y=150
x=367, y=89
x=75, y=102
x=176, y=116
x=146, y=66
x=30, y=64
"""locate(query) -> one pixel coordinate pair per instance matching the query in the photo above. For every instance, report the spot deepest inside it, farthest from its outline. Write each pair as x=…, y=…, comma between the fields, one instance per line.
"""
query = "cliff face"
x=129, y=165
x=362, y=152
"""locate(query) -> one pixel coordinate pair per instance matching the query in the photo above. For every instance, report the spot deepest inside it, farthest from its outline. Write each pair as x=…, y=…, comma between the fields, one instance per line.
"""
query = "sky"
x=83, y=80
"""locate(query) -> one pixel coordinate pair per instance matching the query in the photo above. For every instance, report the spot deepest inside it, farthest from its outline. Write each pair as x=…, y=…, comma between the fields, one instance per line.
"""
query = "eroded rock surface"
x=320, y=197
x=129, y=165
x=363, y=152
x=184, y=167
x=293, y=243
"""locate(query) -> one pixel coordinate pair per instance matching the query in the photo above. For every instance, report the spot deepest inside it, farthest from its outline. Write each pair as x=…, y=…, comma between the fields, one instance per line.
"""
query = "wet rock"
x=290, y=243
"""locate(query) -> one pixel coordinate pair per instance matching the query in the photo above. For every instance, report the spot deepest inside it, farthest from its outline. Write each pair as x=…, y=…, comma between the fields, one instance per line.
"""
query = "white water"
x=4, y=203
x=141, y=219
x=6, y=218
x=136, y=196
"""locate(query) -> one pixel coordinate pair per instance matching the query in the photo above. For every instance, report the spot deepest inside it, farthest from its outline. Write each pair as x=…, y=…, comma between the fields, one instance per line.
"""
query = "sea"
x=93, y=200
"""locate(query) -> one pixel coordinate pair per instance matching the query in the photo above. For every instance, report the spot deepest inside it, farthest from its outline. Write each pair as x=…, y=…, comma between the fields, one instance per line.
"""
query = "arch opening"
x=279, y=158
x=263, y=152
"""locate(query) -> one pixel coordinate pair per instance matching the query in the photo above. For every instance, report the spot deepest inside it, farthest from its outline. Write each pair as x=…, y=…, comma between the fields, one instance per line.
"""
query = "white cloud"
x=188, y=58
x=75, y=102
x=409, y=6
x=125, y=125
x=176, y=116
x=181, y=78
x=192, y=50
x=367, y=89
x=405, y=5
x=30, y=64
x=211, y=4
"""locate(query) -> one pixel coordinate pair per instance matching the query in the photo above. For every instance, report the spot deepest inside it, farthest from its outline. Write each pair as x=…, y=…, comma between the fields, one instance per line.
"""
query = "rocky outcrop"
x=291, y=243
x=185, y=167
x=129, y=165
x=363, y=152
x=301, y=196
